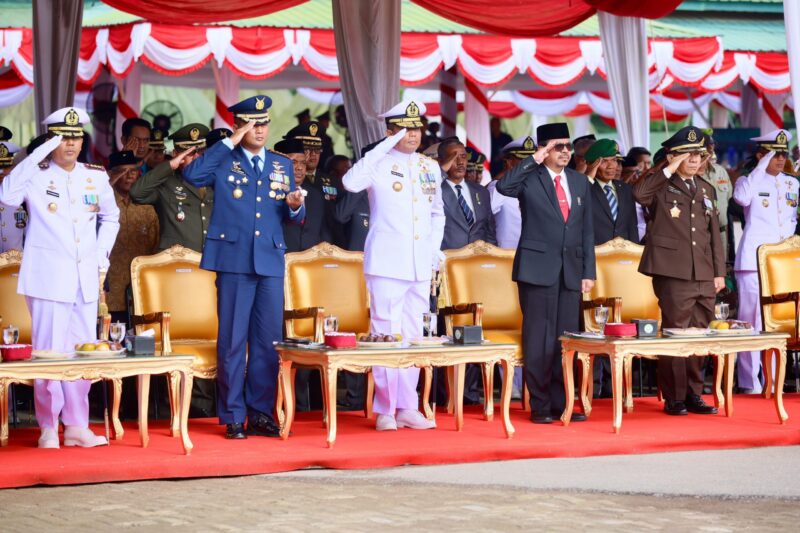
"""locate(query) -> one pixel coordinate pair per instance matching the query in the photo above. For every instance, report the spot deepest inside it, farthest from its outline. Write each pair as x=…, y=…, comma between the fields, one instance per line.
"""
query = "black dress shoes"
x=696, y=405
x=541, y=419
x=675, y=408
x=262, y=426
x=577, y=417
x=235, y=431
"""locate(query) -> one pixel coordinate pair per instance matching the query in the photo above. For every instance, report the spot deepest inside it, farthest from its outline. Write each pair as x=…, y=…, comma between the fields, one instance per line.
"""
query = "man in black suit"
x=554, y=262
x=613, y=206
x=467, y=206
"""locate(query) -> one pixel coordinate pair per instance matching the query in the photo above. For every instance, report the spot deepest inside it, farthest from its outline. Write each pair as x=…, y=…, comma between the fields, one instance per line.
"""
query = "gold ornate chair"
x=629, y=295
x=779, y=285
x=476, y=288
x=14, y=311
x=171, y=291
x=326, y=280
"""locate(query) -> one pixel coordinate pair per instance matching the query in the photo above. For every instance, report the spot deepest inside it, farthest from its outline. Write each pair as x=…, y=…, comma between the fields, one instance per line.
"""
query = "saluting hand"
x=676, y=162
x=295, y=199
x=240, y=132
x=591, y=170
x=175, y=162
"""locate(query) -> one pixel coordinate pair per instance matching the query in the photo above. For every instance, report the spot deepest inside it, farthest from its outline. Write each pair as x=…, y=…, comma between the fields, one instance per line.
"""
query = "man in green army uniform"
x=184, y=211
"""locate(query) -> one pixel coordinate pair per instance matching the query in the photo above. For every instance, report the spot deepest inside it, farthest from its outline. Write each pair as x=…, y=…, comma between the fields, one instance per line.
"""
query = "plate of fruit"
x=99, y=348
x=731, y=327
x=376, y=340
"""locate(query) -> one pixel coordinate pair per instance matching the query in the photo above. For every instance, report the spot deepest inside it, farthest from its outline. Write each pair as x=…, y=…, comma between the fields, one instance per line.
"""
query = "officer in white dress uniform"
x=507, y=215
x=13, y=219
x=72, y=227
x=769, y=198
x=402, y=247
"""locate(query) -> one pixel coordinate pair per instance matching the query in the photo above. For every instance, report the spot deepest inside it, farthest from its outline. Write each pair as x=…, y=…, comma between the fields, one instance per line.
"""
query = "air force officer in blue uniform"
x=254, y=195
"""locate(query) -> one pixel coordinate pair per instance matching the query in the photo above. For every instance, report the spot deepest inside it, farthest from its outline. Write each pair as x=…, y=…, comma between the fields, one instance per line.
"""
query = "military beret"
x=290, y=146
x=125, y=157
x=193, y=134
x=254, y=108
x=556, y=130
x=687, y=139
x=216, y=135
x=308, y=133
x=602, y=148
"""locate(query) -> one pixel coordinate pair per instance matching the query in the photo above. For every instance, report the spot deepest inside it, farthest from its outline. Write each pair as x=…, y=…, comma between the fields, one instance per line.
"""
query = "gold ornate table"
x=331, y=360
x=143, y=366
x=621, y=351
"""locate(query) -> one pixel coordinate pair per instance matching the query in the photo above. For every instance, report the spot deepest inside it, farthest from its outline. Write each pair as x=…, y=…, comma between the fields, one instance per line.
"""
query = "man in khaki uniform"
x=716, y=174
x=683, y=254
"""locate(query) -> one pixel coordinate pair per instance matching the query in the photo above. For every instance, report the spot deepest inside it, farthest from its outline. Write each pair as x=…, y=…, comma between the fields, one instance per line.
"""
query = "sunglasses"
x=782, y=154
x=560, y=147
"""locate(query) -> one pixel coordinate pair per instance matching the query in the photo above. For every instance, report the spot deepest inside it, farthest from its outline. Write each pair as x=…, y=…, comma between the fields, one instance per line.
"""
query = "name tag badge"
x=53, y=193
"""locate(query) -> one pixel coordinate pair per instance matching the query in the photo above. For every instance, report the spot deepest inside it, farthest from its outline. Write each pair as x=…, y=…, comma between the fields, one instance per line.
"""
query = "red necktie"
x=562, y=198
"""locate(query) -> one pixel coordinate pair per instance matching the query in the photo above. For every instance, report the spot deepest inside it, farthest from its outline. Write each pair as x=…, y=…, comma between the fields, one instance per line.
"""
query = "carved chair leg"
x=488, y=390
x=427, y=381
x=116, y=386
x=174, y=403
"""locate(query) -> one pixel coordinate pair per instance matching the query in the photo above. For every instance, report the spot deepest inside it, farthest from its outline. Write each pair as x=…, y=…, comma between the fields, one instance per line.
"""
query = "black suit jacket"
x=313, y=230
x=457, y=233
x=549, y=246
x=605, y=227
x=352, y=213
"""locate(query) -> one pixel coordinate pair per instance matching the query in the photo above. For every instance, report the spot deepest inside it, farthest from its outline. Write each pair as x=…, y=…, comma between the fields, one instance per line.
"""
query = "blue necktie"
x=256, y=161
x=612, y=201
x=462, y=203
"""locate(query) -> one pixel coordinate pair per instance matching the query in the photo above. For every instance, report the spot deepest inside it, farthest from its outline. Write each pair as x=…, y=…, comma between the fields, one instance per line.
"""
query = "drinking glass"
x=721, y=310
x=117, y=331
x=10, y=335
x=429, y=324
x=601, y=317
x=331, y=324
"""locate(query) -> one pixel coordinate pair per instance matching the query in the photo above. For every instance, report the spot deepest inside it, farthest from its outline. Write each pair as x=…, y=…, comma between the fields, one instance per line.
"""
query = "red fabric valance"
x=200, y=11
x=636, y=8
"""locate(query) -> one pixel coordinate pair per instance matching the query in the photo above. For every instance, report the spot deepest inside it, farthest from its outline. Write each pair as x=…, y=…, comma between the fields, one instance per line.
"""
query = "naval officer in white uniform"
x=401, y=250
x=13, y=219
x=769, y=198
x=73, y=222
x=507, y=214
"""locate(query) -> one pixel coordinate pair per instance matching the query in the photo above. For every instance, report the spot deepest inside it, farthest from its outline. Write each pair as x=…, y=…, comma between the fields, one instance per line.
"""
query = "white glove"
x=102, y=262
x=762, y=165
x=384, y=147
x=39, y=155
x=437, y=258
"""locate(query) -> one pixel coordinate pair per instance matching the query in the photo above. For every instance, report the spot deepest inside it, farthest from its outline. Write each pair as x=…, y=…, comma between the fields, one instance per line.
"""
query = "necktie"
x=562, y=198
x=256, y=161
x=691, y=185
x=612, y=201
x=462, y=203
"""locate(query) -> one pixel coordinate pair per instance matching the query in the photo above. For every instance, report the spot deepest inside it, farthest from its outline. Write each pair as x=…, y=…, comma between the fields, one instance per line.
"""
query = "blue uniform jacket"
x=245, y=235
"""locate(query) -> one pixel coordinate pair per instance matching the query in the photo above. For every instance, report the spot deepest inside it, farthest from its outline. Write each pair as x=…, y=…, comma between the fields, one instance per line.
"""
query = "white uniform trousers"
x=59, y=326
x=396, y=306
x=749, y=363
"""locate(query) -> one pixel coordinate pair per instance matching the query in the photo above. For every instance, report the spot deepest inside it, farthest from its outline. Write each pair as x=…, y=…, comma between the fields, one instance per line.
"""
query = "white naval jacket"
x=73, y=221
x=406, y=211
x=10, y=235
x=770, y=212
x=507, y=218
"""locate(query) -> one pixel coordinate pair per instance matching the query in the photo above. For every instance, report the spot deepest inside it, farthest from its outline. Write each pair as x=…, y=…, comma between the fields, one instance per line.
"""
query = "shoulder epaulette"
x=279, y=153
x=95, y=166
x=701, y=178
x=44, y=165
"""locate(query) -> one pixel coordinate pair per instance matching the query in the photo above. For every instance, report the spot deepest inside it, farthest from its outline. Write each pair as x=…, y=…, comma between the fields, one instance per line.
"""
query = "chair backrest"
x=617, y=265
x=778, y=274
x=329, y=277
x=173, y=281
x=13, y=309
x=481, y=273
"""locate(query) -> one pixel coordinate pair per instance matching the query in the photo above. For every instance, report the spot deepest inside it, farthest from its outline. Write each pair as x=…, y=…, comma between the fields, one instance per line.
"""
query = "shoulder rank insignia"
x=279, y=153
x=44, y=165
x=95, y=166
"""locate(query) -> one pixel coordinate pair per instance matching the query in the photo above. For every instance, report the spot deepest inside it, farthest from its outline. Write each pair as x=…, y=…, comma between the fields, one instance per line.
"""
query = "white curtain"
x=367, y=37
x=227, y=87
x=791, y=18
x=625, y=54
x=476, y=120
x=448, y=85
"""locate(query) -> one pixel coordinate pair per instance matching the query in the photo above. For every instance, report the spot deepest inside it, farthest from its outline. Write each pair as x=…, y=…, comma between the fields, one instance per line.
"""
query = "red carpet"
x=358, y=445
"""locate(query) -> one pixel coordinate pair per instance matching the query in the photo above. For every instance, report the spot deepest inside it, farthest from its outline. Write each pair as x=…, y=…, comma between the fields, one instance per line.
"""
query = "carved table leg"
x=628, y=369
x=567, y=361
x=488, y=390
x=617, y=363
x=186, y=378
x=427, y=376
x=451, y=404
x=3, y=412
x=116, y=385
x=325, y=409
x=287, y=383
x=330, y=385
x=175, y=387
x=719, y=368
x=586, y=378
x=766, y=368
x=730, y=366
x=458, y=400
x=780, y=376
x=588, y=390
x=144, y=396
x=505, y=396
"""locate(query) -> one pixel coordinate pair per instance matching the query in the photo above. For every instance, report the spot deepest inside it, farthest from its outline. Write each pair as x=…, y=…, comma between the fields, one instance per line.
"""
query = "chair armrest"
x=162, y=318
x=781, y=299
x=315, y=313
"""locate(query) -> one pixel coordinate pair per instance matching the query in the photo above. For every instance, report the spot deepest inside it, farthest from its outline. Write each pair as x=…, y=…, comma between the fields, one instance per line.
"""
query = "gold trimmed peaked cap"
x=406, y=114
x=777, y=140
x=520, y=148
x=308, y=133
x=475, y=159
x=687, y=139
x=157, y=138
x=67, y=122
x=254, y=108
x=190, y=135
x=7, y=151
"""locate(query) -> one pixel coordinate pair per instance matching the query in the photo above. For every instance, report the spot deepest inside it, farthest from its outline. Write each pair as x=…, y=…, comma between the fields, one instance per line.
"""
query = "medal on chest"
x=237, y=191
x=675, y=211
x=20, y=218
x=91, y=201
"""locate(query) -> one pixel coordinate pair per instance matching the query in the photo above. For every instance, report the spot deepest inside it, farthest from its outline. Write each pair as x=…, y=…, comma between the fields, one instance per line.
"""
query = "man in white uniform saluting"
x=401, y=250
x=73, y=223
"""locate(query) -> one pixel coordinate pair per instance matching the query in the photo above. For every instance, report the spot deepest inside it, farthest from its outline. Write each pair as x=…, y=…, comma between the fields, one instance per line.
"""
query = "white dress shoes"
x=411, y=418
x=83, y=437
x=49, y=438
x=385, y=423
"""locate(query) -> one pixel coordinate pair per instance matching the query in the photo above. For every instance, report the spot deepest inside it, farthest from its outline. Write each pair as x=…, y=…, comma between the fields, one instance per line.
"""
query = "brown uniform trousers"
x=683, y=254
